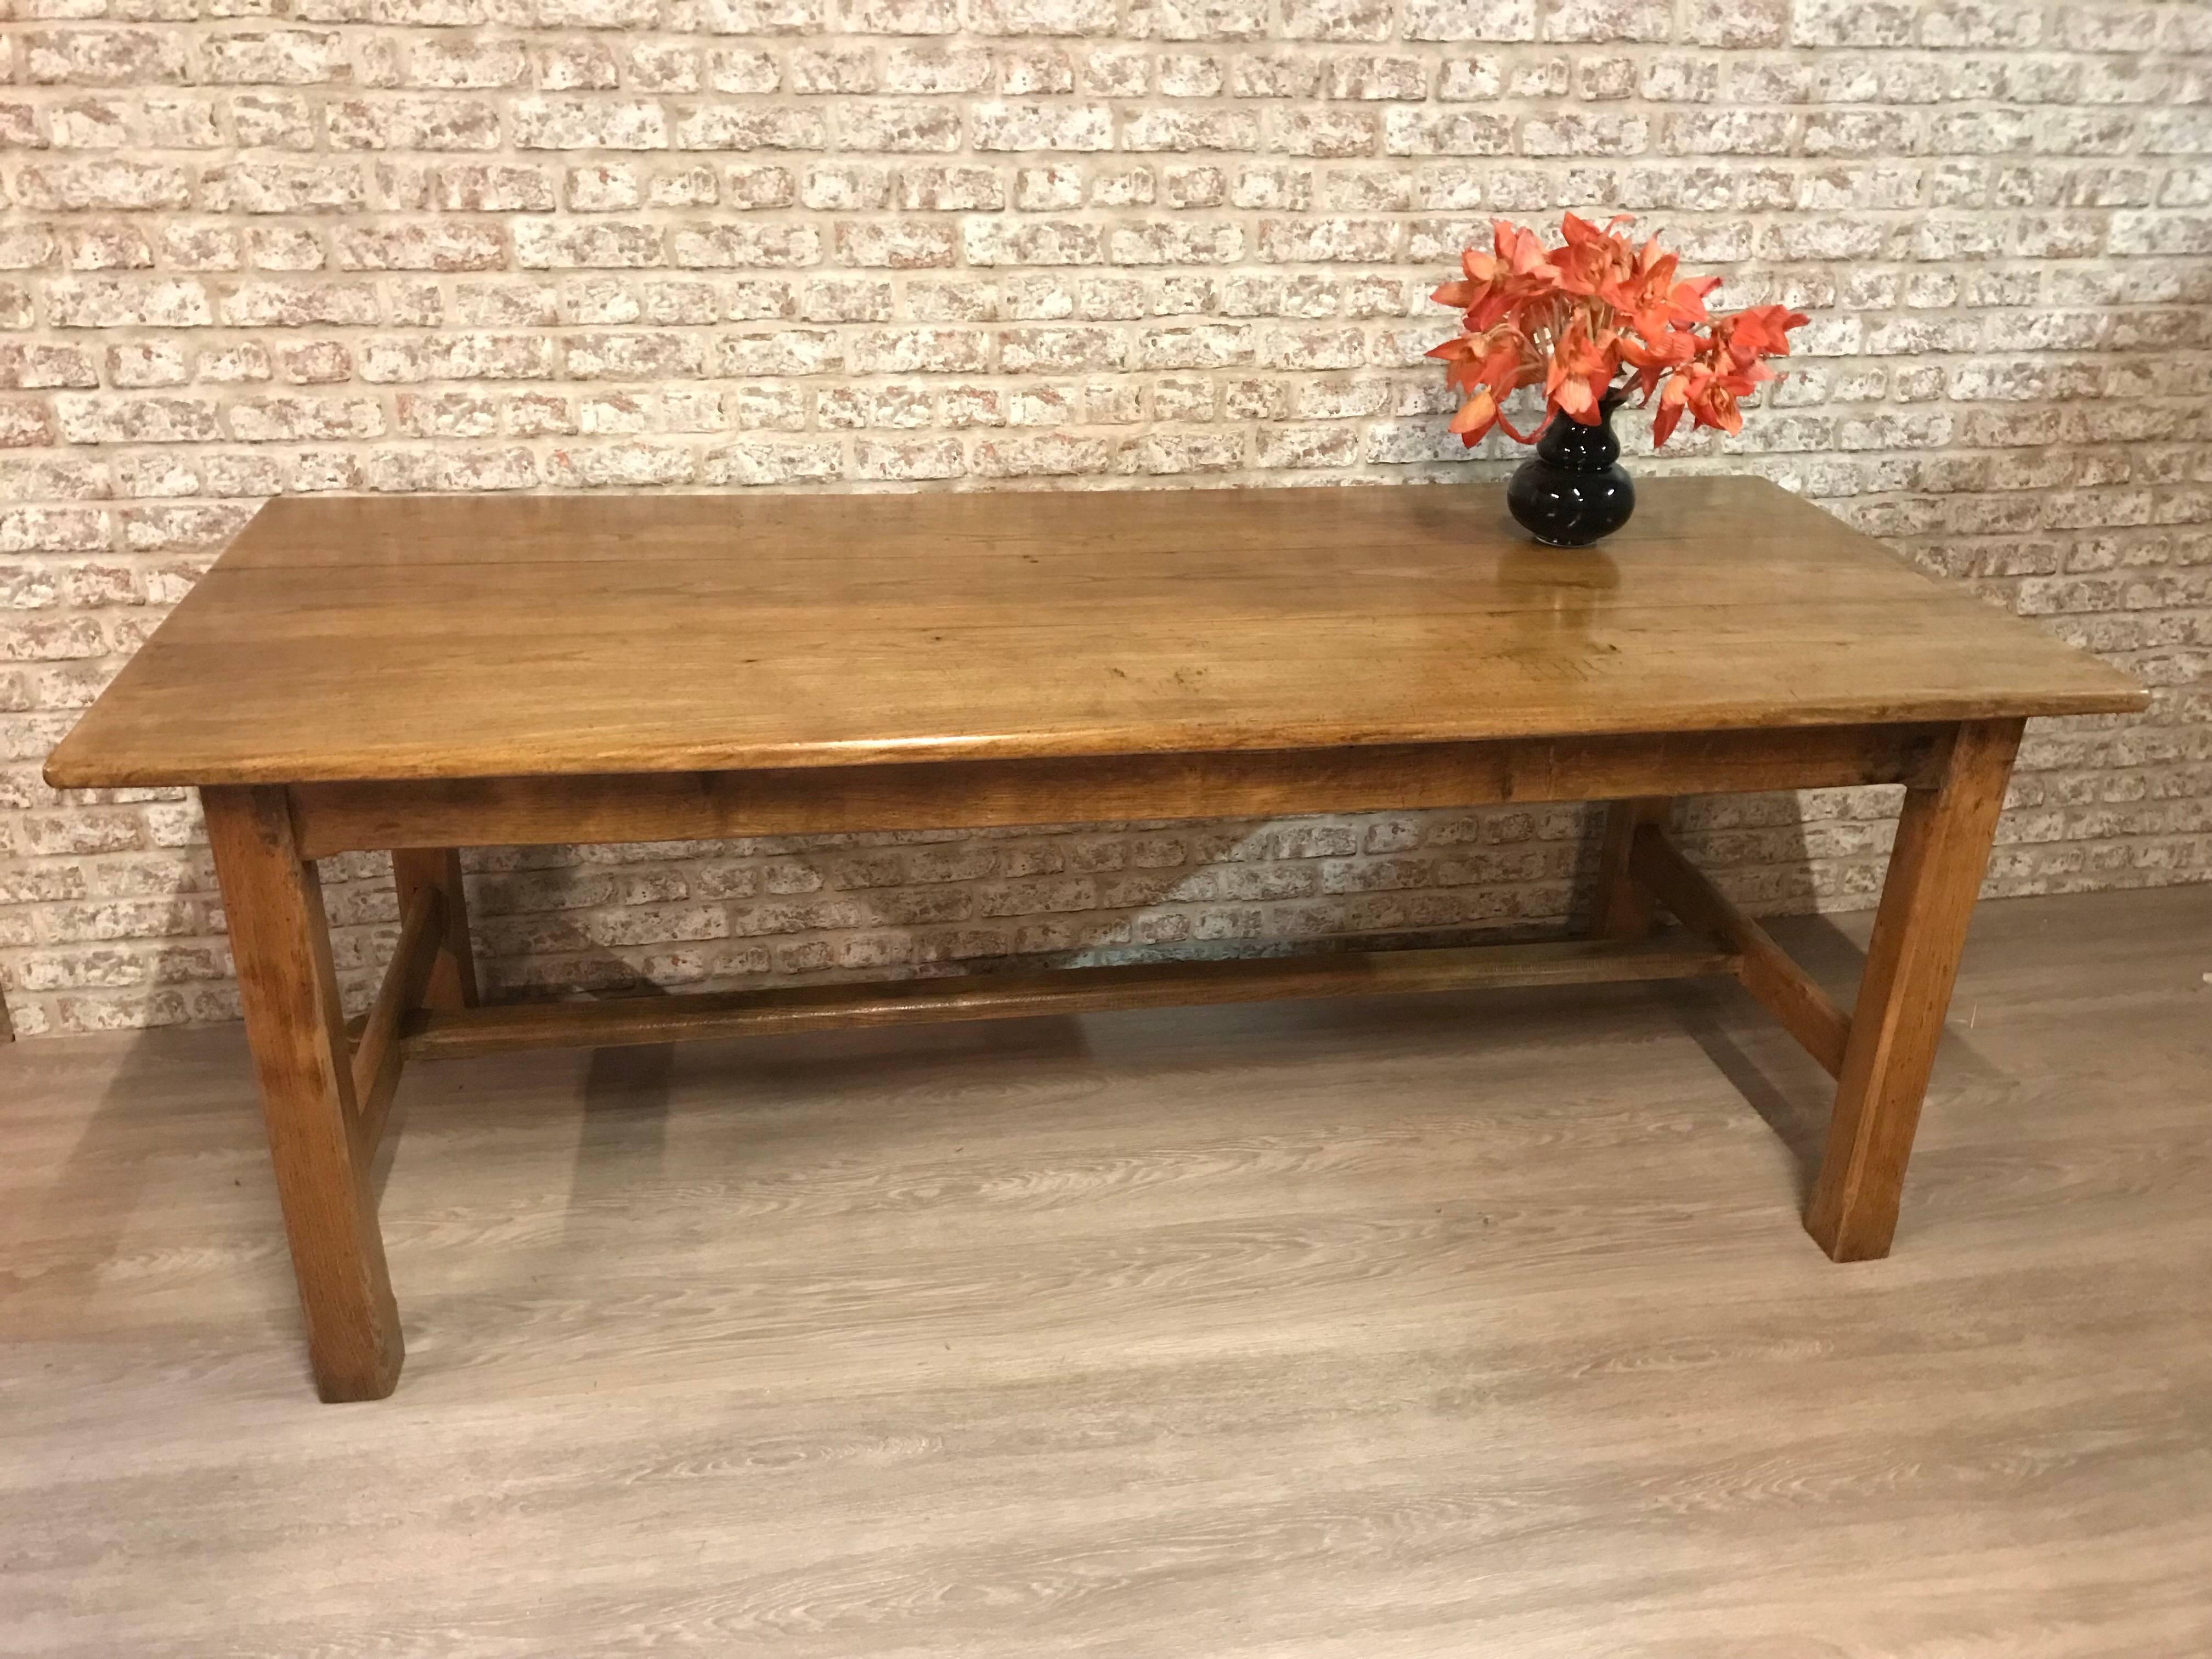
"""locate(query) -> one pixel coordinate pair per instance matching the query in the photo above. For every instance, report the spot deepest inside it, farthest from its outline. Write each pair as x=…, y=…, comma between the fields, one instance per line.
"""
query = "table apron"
x=998, y=793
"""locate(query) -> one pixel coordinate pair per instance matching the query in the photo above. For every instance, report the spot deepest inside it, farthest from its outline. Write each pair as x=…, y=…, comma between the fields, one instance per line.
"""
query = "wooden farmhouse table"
x=429, y=674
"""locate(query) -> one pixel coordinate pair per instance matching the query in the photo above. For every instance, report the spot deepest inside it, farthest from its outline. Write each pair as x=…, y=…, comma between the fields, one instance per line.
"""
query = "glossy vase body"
x=1573, y=490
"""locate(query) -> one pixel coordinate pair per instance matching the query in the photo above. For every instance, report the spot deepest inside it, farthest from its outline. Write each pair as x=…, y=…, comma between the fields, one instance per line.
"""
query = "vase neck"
x=1567, y=443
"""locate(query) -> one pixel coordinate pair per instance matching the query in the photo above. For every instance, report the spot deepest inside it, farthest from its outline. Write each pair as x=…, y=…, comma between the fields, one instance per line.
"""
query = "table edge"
x=64, y=770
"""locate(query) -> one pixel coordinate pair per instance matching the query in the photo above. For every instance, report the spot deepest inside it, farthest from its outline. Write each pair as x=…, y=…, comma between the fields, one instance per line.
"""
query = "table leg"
x=453, y=981
x=1623, y=906
x=280, y=942
x=1919, y=931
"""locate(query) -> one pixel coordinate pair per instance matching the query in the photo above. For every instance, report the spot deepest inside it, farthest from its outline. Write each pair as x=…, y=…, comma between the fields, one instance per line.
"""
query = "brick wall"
x=318, y=245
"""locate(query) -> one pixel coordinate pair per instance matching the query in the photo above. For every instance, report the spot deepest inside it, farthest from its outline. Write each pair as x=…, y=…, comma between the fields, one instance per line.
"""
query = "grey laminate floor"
x=1473, y=1326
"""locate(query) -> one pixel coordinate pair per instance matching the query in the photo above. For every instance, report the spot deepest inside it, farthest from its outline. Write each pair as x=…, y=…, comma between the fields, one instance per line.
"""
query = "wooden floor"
x=1464, y=1326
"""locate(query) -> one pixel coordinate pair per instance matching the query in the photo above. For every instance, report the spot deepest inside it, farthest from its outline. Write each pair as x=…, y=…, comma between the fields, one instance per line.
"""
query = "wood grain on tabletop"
x=485, y=636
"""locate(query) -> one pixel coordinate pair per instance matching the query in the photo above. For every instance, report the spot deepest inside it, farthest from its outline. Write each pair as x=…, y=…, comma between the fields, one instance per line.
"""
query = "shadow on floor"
x=175, y=1133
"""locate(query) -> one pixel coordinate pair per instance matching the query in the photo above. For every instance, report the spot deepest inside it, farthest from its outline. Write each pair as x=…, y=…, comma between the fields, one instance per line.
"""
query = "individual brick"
x=1061, y=350
x=103, y=186
x=287, y=187
x=946, y=190
x=1580, y=133
x=272, y=304
x=292, y=419
x=1038, y=242
x=897, y=126
x=1736, y=23
x=1422, y=131
x=1052, y=454
x=1187, y=130
x=1034, y=126
x=834, y=69
x=589, y=124
x=918, y=351
x=1200, y=20
x=33, y=366
x=897, y=16
x=897, y=245
x=1852, y=22
x=1175, y=243
x=625, y=466
x=765, y=461
x=1470, y=19
x=187, y=246
x=634, y=355
x=466, y=65
x=1299, y=241
x=931, y=68
x=101, y=57
x=1062, y=17
x=1024, y=71
x=548, y=245
x=743, y=70
x=660, y=66
x=783, y=351
x=1735, y=132
x=908, y=459
x=1337, y=20
x=412, y=123
x=749, y=185
x=90, y=247
x=275, y=56
x=439, y=246
x=848, y=300
x=1608, y=19
x=727, y=245
x=576, y=66
x=464, y=355
x=117, y=302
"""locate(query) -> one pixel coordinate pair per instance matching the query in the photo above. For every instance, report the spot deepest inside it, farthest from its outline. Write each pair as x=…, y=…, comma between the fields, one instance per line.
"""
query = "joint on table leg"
x=1621, y=906
x=438, y=869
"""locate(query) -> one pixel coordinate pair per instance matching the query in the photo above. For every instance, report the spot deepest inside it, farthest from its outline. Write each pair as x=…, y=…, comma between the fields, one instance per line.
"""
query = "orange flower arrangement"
x=1575, y=318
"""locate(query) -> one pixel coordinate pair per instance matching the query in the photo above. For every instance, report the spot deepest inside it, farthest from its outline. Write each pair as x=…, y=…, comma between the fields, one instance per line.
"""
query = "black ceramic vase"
x=1573, y=490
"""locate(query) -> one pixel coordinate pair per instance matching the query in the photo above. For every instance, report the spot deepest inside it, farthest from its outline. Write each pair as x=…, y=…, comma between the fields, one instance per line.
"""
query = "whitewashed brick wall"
x=253, y=247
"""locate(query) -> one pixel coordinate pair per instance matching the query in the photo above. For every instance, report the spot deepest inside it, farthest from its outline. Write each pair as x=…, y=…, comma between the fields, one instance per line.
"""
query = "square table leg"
x=1919, y=931
x=1622, y=907
x=280, y=943
x=453, y=979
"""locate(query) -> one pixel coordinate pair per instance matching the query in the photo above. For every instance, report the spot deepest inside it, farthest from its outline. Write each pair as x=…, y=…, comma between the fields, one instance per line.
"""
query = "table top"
x=486, y=636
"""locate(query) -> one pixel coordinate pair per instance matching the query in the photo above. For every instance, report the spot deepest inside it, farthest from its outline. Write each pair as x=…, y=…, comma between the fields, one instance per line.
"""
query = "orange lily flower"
x=1595, y=316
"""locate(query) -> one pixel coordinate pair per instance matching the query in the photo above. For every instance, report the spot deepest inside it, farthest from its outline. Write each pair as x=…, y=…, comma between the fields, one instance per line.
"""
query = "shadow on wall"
x=616, y=921
x=554, y=921
x=616, y=918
